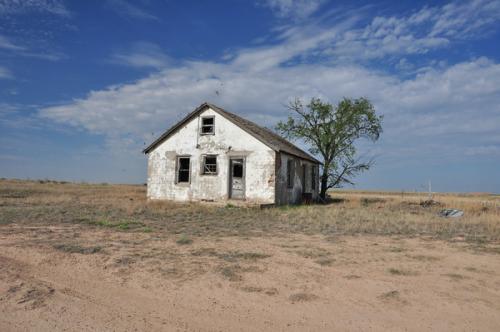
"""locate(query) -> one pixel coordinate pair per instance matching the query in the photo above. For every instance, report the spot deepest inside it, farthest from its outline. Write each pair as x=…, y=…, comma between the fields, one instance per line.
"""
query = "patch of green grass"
x=147, y=229
x=102, y=223
x=184, y=240
x=123, y=226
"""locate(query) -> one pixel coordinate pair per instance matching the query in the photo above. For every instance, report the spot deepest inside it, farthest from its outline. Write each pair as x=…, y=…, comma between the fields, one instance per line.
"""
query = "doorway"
x=237, y=178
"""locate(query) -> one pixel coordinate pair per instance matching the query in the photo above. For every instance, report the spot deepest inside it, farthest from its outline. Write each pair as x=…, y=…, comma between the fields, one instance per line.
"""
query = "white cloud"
x=445, y=103
x=55, y=7
x=428, y=29
x=142, y=55
x=126, y=9
x=298, y=9
x=5, y=73
x=6, y=44
x=9, y=46
x=460, y=100
x=488, y=150
x=465, y=18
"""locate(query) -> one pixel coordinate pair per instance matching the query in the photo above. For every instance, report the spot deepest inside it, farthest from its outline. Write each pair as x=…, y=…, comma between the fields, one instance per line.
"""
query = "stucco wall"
x=286, y=195
x=229, y=140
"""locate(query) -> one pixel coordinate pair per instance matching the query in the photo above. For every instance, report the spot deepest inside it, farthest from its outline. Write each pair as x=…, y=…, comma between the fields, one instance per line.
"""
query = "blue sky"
x=84, y=85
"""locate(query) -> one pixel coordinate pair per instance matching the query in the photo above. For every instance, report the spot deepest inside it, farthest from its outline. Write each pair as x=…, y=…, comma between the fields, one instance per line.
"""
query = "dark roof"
x=266, y=136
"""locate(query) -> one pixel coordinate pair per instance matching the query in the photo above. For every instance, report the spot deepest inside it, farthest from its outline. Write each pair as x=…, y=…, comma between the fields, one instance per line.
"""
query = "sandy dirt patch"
x=76, y=278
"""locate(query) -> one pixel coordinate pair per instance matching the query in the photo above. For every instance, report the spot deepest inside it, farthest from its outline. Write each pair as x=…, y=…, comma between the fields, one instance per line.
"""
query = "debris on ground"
x=451, y=213
x=429, y=203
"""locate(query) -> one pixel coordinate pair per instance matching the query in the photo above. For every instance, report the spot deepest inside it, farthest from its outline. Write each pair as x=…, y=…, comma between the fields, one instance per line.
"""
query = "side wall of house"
x=301, y=182
x=228, y=141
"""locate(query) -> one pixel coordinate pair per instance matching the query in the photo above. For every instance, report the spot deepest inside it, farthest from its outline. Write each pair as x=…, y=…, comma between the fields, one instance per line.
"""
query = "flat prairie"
x=99, y=257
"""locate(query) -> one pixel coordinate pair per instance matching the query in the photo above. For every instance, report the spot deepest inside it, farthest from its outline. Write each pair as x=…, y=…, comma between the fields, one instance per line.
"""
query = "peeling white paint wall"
x=228, y=141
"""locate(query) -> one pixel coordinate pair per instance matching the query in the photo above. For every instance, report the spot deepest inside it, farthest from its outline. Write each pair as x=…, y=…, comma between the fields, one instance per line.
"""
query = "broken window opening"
x=207, y=125
x=183, y=169
x=237, y=169
x=209, y=165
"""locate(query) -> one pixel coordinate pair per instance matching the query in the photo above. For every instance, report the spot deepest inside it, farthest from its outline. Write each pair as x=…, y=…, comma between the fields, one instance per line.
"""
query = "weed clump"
x=184, y=240
x=77, y=249
x=401, y=272
x=123, y=225
x=302, y=297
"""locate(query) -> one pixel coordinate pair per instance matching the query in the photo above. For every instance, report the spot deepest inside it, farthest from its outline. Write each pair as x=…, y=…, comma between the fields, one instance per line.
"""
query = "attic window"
x=209, y=165
x=207, y=125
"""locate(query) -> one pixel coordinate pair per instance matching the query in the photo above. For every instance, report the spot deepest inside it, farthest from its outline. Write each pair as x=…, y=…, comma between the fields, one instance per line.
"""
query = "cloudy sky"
x=85, y=85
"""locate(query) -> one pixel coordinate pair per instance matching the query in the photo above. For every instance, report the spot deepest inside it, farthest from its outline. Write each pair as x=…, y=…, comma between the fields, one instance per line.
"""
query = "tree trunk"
x=324, y=185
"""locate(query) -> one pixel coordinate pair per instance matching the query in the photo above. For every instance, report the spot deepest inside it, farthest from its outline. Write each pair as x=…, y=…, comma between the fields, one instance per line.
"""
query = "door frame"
x=230, y=177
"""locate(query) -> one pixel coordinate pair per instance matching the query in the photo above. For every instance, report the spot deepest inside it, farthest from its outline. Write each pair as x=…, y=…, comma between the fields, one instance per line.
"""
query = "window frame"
x=211, y=125
x=290, y=169
x=203, y=164
x=178, y=169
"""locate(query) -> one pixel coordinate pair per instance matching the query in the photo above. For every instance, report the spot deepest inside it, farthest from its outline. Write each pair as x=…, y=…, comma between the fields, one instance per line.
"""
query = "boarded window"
x=209, y=165
x=313, y=177
x=183, y=169
x=289, y=173
x=207, y=125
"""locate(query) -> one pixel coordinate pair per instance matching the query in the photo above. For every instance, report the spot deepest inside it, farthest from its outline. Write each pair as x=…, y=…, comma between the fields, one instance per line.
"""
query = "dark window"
x=289, y=173
x=207, y=125
x=237, y=170
x=209, y=165
x=183, y=169
x=313, y=177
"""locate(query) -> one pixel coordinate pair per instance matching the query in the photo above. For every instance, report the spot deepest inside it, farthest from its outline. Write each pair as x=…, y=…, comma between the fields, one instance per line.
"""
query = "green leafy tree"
x=330, y=131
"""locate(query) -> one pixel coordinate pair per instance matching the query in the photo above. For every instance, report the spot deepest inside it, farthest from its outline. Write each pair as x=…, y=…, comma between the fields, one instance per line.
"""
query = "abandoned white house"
x=215, y=155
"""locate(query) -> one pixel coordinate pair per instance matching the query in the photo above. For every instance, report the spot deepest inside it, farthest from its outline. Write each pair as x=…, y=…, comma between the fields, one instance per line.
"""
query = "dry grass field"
x=100, y=257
